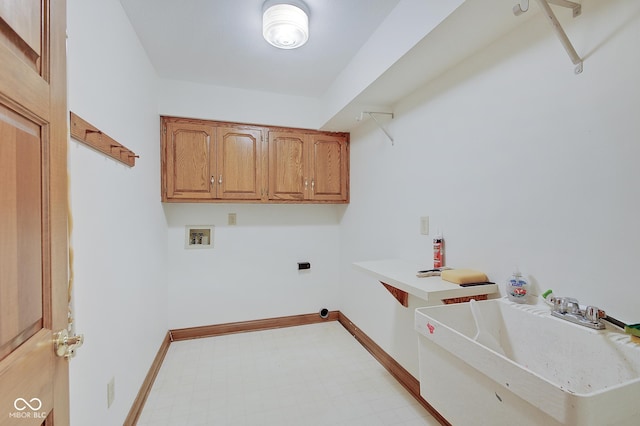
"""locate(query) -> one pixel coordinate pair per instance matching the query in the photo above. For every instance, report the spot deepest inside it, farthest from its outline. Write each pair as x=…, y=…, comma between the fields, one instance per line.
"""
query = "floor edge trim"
x=406, y=379
x=410, y=383
x=147, y=384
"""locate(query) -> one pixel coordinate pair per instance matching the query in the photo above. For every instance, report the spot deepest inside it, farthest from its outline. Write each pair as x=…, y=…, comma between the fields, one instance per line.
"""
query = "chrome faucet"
x=568, y=309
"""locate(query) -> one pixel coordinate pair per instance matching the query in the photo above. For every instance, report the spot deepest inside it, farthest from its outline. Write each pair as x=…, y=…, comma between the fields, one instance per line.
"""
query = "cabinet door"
x=239, y=163
x=328, y=168
x=287, y=166
x=190, y=162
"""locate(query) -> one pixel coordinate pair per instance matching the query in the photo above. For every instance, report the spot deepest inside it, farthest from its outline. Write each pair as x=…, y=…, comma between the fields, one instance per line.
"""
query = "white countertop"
x=401, y=274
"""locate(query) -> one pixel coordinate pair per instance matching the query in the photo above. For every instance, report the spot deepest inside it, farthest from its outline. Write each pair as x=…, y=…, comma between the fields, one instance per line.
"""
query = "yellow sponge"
x=463, y=276
x=634, y=331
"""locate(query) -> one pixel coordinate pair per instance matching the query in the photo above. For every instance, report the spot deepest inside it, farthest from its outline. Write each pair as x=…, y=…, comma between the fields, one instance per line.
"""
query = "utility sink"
x=531, y=368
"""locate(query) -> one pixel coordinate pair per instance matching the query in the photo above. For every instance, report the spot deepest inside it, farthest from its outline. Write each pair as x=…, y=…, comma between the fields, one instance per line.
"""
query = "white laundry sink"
x=545, y=370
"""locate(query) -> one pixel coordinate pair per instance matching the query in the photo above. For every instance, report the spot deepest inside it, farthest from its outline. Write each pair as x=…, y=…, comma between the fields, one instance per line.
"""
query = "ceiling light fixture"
x=285, y=25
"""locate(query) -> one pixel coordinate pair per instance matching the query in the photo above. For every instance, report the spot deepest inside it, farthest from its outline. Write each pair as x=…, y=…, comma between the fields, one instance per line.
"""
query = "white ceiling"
x=219, y=42
x=362, y=55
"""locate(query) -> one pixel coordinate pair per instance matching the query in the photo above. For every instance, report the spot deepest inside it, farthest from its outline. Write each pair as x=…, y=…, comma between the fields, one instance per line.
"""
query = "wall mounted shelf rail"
x=96, y=139
x=523, y=6
x=373, y=117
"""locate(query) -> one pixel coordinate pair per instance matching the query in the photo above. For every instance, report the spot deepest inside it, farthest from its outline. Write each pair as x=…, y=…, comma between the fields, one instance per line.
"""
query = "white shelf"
x=401, y=274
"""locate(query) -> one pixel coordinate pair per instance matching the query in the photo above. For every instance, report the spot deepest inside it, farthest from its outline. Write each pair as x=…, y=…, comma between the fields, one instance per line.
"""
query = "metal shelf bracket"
x=371, y=114
x=523, y=6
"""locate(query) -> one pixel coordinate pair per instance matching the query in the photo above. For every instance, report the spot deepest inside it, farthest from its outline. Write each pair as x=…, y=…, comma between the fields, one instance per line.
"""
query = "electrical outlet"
x=424, y=225
x=111, y=391
x=232, y=219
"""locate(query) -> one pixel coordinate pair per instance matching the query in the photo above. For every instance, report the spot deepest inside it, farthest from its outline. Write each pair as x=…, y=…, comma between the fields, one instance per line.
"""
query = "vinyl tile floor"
x=297, y=376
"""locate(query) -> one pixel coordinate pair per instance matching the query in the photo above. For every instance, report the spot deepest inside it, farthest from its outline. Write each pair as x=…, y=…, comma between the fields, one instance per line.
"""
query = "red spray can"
x=438, y=251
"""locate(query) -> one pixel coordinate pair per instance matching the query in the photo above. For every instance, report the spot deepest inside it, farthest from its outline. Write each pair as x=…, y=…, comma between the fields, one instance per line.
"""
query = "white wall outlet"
x=232, y=219
x=424, y=225
x=111, y=391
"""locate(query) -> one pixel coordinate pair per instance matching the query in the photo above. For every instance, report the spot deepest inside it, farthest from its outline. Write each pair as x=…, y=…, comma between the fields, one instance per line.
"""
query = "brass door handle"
x=65, y=345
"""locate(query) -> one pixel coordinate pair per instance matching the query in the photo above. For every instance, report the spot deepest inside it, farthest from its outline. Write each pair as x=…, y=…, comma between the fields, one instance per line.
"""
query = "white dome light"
x=285, y=26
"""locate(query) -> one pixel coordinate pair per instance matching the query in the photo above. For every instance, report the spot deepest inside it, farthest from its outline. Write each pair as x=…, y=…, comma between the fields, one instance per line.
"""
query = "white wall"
x=252, y=270
x=514, y=157
x=119, y=234
x=193, y=100
x=251, y=273
x=408, y=23
x=518, y=161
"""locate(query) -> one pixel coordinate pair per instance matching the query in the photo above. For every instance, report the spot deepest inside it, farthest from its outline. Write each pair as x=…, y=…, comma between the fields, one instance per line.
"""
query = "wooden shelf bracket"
x=400, y=295
x=523, y=6
x=88, y=134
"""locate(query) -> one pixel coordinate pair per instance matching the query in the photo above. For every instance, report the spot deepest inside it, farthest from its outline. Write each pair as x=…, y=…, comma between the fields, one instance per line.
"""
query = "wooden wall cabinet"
x=202, y=161
x=208, y=161
x=189, y=162
x=308, y=167
x=239, y=163
x=329, y=167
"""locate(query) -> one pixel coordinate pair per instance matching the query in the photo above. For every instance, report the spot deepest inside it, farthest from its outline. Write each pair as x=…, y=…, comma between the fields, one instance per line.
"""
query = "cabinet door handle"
x=306, y=184
x=313, y=185
x=220, y=180
x=213, y=180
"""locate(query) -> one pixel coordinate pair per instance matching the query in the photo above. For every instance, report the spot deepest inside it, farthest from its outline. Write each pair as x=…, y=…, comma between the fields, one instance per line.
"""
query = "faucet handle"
x=594, y=314
x=566, y=305
x=573, y=306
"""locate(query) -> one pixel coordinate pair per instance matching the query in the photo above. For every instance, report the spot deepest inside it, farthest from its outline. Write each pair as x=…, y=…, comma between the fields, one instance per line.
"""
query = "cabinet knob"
x=313, y=185
x=213, y=180
x=306, y=184
x=220, y=180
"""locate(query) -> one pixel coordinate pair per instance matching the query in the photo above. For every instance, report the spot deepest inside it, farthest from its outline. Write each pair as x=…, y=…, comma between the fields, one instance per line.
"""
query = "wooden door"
x=328, y=168
x=287, y=166
x=239, y=163
x=34, y=387
x=190, y=156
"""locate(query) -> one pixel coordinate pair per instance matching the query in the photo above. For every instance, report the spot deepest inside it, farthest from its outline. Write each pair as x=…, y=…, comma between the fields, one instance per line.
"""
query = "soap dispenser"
x=517, y=287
